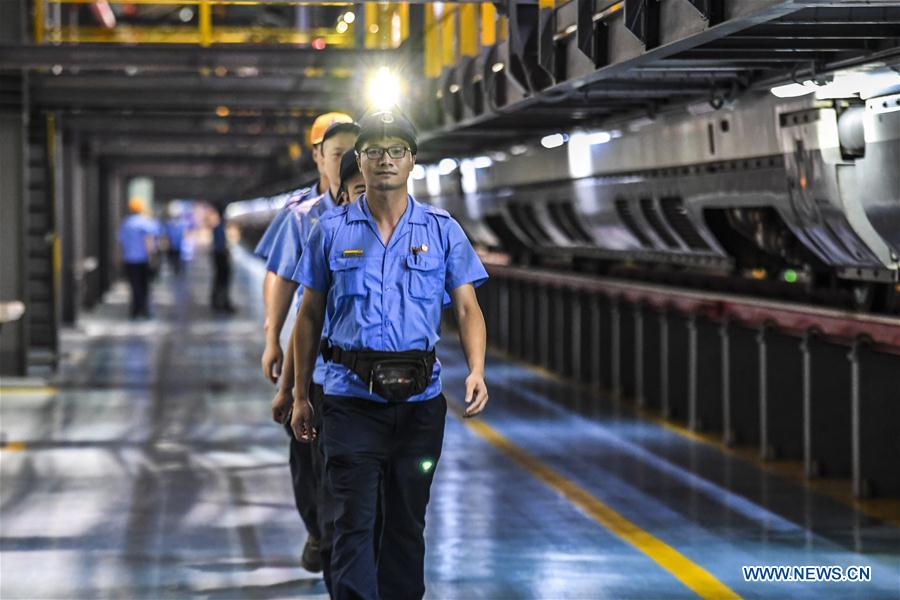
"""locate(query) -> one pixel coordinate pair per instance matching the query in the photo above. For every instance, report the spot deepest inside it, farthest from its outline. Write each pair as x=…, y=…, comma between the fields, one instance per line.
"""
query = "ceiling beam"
x=190, y=58
x=177, y=100
x=140, y=125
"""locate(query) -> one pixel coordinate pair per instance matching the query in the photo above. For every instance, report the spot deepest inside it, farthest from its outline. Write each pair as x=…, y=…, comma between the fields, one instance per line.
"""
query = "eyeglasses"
x=376, y=152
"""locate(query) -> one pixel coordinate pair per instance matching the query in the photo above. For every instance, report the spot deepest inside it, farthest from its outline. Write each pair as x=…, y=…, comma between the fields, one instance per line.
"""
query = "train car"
x=788, y=190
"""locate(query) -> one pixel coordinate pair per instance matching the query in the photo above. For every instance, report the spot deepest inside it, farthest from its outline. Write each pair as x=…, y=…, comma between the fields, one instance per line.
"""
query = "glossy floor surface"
x=152, y=470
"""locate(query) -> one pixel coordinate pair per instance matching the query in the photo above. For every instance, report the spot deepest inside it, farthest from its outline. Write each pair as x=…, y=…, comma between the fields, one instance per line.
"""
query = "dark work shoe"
x=311, y=558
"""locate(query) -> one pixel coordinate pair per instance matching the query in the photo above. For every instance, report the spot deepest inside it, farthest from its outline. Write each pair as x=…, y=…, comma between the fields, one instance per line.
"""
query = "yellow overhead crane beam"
x=451, y=30
x=448, y=36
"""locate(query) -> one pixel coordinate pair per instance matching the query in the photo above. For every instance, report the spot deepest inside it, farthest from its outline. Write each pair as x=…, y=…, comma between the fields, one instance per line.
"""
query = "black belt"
x=395, y=376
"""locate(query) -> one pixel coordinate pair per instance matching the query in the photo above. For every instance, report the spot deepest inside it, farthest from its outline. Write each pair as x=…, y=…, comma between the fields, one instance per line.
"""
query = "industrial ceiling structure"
x=477, y=75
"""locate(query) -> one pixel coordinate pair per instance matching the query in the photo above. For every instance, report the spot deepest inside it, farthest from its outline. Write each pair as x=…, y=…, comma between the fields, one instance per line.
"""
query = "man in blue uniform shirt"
x=137, y=239
x=282, y=262
x=379, y=269
x=270, y=247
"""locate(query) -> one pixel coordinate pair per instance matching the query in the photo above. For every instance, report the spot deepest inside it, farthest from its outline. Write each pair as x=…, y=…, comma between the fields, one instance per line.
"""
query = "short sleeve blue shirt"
x=288, y=246
x=264, y=247
x=386, y=298
x=294, y=232
x=175, y=232
x=132, y=235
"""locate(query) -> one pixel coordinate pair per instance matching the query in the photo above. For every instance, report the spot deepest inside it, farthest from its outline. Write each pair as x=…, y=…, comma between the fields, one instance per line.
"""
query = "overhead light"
x=418, y=172
x=222, y=111
x=795, y=90
x=349, y=16
x=599, y=137
x=186, y=14
x=864, y=84
x=447, y=166
x=131, y=70
x=482, y=162
x=640, y=123
x=342, y=27
x=454, y=88
x=373, y=28
x=499, y=156
x=56, y=69
x=383, y=89
x=518, y=149
x=580, y=156
x=433, y=181
x=497, y=67
x=467, y=177
x=554, y=140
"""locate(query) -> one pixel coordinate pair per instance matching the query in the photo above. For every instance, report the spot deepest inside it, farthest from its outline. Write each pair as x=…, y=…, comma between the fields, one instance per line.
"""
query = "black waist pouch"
x=395, y=376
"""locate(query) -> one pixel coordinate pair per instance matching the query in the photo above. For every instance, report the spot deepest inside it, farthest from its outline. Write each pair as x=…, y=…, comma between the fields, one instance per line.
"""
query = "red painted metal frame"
x=842, y=326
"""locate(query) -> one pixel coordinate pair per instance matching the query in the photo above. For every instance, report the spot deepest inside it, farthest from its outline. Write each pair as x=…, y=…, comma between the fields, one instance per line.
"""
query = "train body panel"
x=800, y=182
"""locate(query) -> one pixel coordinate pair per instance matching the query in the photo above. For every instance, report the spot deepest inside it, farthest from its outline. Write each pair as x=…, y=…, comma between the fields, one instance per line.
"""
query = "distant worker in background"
x=175, y=229
x=338, y=136
x=137, y=241
x=221, y=292
x=352, y=186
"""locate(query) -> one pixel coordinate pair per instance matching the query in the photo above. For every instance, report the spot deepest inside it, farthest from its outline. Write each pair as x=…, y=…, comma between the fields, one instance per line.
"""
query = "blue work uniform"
x=386, y=298
x=288, y=247
x=132, y=239
x=266, y=242
x=380, y=455
x=175, y=233
x=282, y=251
x=132, y=233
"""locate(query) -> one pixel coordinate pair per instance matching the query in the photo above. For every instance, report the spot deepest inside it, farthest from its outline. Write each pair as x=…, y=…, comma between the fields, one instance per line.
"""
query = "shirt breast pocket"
x=426, y=277
x=348, y=277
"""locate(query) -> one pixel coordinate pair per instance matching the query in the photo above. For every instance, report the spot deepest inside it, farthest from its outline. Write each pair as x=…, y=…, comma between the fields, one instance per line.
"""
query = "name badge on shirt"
x=352, y=253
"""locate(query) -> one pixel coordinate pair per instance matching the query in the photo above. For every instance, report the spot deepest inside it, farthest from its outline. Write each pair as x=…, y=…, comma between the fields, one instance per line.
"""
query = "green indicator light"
x=790, y=276
x=426, y=465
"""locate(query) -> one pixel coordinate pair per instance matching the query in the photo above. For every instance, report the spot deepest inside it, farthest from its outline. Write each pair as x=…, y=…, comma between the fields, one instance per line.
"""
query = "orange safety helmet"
x=323, y=122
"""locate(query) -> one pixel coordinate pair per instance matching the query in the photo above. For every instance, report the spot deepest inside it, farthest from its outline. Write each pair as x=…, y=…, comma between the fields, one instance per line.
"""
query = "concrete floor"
x=152, y=470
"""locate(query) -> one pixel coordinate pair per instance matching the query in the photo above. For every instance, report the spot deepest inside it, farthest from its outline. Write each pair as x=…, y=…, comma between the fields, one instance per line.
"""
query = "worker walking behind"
x=352, y=185
x=331, y=135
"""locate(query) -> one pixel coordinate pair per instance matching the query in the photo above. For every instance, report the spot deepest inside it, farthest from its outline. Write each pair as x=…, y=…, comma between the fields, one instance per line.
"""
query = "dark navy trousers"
x=304, y=484
x=392, y=450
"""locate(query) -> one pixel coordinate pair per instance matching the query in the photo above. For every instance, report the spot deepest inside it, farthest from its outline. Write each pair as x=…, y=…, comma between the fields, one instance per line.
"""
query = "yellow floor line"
x=692, y=575
x=883, y=509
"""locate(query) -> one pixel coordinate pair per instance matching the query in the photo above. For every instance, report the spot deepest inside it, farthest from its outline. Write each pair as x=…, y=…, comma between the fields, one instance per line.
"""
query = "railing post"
x=639, y=355
x=664, y=364
x=727, y=431
x=576, y=349
x=615, y=358
x=805, y=350
x=693, y=423
x=764, y=452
